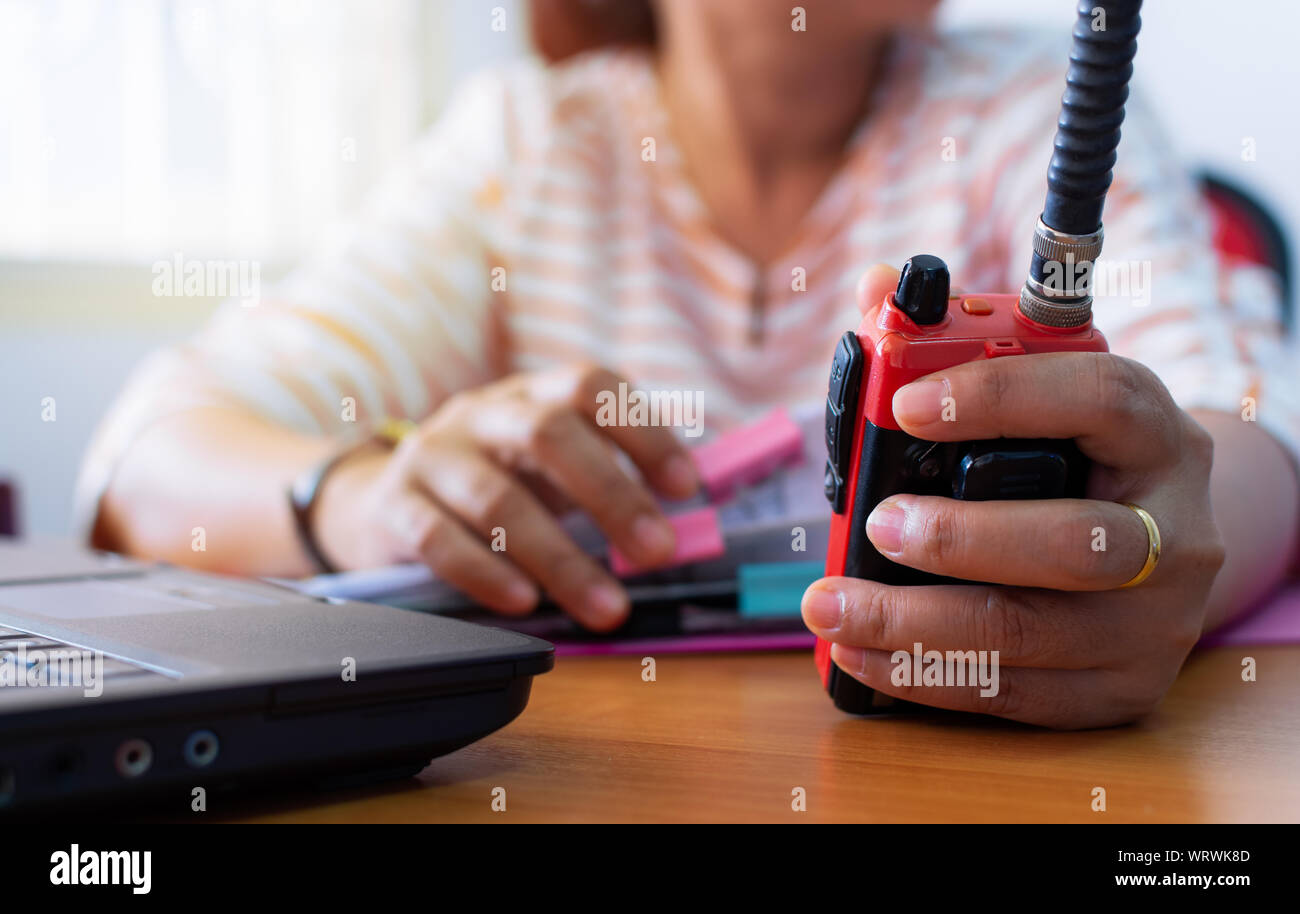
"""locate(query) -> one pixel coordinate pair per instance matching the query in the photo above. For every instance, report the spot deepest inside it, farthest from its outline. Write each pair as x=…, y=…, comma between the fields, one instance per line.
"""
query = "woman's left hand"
x=1074, y=650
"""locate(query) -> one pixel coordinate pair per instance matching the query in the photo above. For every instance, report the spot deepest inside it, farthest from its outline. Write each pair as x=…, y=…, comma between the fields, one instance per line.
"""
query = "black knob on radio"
x=922, y=292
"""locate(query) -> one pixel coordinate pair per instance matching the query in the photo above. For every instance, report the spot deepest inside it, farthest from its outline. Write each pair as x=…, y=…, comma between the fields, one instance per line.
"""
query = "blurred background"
x=136, y=131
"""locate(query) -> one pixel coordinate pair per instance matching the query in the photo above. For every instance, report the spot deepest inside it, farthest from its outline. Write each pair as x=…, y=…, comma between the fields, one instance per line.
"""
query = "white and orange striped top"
x=536, y=177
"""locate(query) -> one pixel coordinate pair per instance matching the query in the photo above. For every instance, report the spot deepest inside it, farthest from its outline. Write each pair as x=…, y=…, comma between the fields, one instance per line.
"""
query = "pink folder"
x=1276, y=622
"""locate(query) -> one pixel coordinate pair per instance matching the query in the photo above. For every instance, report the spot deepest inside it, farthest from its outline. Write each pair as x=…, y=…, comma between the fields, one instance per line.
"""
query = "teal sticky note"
x=775, y=589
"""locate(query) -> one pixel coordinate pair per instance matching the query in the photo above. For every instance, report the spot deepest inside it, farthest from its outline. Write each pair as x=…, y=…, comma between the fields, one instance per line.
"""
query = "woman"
x=691, y=207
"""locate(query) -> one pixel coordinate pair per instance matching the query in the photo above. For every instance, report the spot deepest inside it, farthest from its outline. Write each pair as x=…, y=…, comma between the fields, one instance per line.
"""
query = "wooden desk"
x=728, y=738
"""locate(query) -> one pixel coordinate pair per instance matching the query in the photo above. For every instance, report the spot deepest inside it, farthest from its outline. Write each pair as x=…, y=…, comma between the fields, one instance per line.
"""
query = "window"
x=136, y=129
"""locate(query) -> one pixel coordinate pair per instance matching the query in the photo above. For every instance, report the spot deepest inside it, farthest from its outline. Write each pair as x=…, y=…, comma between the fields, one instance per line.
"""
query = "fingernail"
x=920, y=403
x=823, y=609
x=680, y=475
x=654, y=535
x=885, y=527
x=607, y=601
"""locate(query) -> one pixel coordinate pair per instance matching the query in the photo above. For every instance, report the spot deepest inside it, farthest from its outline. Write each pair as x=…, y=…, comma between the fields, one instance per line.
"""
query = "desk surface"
x=729, y=737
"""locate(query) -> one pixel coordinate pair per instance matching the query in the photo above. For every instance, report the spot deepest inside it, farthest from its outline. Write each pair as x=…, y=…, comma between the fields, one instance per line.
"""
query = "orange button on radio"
x=976, y=306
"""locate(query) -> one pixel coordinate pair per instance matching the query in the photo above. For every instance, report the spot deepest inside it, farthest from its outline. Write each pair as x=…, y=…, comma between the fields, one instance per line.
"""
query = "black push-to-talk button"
x=841, y=404
x=832, y=485
x=845, y=370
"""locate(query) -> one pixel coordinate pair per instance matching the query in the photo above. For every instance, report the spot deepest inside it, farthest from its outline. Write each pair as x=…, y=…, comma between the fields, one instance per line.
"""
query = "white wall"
x=1216, y=72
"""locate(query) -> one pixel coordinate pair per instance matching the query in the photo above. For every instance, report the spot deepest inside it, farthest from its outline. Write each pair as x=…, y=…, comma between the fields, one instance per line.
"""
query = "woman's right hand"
x=497, y=464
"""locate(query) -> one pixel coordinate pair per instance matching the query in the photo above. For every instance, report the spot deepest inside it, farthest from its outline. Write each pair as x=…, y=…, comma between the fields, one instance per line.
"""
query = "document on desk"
x=784, y=518
x=751, y=531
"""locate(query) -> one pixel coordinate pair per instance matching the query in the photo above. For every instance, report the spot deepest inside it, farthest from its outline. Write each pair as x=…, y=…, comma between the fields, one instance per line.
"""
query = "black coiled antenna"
x=1068, y=237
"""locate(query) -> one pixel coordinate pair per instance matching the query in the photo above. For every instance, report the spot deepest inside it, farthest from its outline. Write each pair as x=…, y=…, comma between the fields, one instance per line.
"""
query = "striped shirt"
x=547, y=218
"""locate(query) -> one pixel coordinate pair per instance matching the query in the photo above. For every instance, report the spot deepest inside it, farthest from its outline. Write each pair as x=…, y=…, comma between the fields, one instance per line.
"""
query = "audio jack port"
x=201, y=748
x=134, y=757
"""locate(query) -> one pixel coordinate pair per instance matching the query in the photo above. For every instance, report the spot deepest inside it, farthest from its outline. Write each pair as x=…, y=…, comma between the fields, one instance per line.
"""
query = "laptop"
x=123, y=682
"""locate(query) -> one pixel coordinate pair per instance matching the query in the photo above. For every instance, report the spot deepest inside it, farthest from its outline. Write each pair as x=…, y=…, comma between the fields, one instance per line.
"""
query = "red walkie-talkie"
x=921, y=328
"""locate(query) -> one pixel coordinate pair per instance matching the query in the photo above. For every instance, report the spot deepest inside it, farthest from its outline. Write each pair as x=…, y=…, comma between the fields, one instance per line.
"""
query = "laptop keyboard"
x=23, y=650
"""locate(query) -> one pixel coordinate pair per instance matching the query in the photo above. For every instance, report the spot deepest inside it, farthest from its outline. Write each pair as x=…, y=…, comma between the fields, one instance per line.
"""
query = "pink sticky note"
x=699, y=538
x=748, y=455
